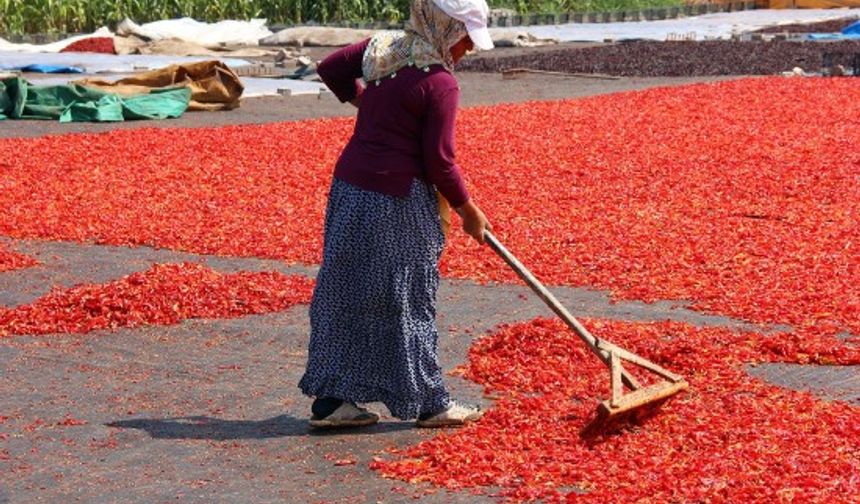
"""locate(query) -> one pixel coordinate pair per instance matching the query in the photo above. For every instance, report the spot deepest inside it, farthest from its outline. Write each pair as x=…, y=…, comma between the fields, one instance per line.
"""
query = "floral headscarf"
x=426, y=40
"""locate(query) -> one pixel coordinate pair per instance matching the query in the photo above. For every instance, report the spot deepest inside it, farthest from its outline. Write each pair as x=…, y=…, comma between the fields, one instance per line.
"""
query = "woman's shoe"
x=346, y=415
x=455, y=416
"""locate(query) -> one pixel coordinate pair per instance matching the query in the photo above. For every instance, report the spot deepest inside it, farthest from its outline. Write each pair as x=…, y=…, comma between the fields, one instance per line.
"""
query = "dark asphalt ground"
x=208, y=410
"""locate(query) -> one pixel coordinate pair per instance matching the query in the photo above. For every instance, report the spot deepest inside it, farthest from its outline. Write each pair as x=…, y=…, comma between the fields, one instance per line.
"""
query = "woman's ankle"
x=325, y=406
x=430, y=414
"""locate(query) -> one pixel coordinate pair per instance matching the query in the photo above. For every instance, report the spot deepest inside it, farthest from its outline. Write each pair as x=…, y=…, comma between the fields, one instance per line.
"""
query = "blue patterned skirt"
x=373, y=313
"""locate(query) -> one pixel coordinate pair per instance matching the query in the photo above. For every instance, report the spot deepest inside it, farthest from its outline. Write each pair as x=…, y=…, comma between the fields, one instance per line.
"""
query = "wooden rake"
x=622, y=408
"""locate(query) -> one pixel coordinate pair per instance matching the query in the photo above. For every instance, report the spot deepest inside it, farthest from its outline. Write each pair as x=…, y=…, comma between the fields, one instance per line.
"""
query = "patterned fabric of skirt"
x=373, y=313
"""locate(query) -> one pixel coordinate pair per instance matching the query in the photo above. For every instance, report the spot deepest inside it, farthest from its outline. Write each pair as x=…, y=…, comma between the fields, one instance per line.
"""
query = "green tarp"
x=75, y=103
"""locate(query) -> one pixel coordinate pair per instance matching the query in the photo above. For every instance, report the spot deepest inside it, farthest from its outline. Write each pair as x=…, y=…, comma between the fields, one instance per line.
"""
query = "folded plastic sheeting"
x=321, y=36
x=75, y=103
x=850, y=32
x=212, y=84
x=833, y=36
x=52, y=69
x=229, y=32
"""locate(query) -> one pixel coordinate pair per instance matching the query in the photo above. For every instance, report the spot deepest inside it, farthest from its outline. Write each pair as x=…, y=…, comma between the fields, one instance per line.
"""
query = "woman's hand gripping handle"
x=474, y=221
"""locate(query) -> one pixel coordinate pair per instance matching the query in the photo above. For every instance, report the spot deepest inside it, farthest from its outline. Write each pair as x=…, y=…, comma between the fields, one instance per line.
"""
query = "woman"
x=373, y=314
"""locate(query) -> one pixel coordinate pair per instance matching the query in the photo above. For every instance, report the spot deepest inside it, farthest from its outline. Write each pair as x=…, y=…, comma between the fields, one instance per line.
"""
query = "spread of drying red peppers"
x=739, y=196
x=729, y=438
x=12, y=260
x=164, y=294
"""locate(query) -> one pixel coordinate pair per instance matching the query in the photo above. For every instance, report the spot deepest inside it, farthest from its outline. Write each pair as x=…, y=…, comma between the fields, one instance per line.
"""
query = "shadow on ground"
x=203, y=427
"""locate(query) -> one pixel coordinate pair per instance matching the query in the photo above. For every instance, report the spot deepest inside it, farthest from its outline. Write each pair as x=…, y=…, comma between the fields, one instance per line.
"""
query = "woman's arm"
x=438, y=144
x=341, y=71
x=439, y=157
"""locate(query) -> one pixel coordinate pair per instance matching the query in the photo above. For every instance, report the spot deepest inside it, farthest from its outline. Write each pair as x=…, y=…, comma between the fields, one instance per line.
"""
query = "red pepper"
x=164, y=294
x=730, y=438
x=11, y=260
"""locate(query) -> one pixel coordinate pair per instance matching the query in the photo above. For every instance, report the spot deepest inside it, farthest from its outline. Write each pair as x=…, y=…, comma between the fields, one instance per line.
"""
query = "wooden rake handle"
x=603, y=349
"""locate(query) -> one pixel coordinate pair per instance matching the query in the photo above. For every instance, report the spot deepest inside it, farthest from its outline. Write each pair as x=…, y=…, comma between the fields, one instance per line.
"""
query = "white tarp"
x=55, y=47
x=506, y=37
x=93, y=63
x=324, y=36
x=327, y=36
x=254, y=86
x=718, y=25
x=210, y=35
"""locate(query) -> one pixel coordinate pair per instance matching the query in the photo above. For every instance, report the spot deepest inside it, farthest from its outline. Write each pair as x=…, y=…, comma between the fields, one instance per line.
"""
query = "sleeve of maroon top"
x=438, y=145
x=341, y=70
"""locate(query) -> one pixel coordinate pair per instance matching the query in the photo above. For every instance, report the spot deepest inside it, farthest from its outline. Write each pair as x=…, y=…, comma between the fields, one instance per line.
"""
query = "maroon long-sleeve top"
x=404, y=130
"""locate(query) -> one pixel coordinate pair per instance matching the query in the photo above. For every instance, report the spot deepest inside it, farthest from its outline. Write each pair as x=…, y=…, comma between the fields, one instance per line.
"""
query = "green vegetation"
x=47, y=16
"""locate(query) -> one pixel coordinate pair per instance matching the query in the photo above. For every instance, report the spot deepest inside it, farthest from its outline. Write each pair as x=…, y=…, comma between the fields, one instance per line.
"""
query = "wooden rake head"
x=624, y=409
